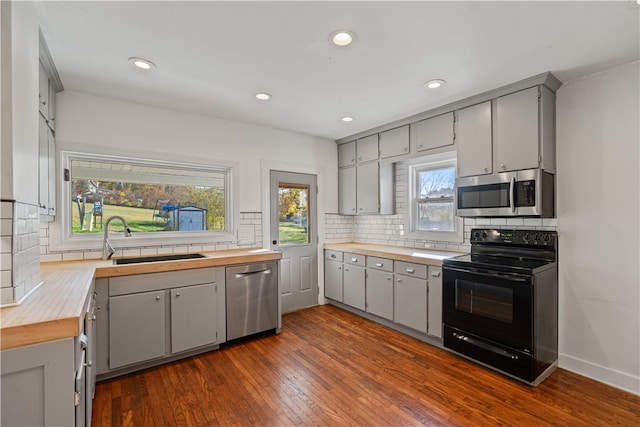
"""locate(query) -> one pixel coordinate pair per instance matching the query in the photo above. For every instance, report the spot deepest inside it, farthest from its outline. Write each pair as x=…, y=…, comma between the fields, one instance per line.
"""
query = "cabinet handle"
x=389, y=278
x=411, y=270
x=339, y=268
x=89, y=364
x=399, y=280
x=435, y=274
x=178, y=294
x=379, y=264
x=44, y=102
x=157, y=298
x=405, y=149
x=354, y=259
x=502, y=165
x=333, y=255
x=420, y=146
x=485, y=169
x=93, y=318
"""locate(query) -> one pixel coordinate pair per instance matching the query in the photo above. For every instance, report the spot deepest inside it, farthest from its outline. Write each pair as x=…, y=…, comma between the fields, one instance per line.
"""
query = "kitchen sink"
x=156, y=258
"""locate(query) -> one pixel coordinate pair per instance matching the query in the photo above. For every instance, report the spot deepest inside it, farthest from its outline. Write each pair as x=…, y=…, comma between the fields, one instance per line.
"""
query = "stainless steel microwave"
x=521, y=193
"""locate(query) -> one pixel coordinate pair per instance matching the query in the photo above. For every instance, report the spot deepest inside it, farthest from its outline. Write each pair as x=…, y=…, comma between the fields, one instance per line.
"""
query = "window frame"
x=413, y=167
x=62, y=239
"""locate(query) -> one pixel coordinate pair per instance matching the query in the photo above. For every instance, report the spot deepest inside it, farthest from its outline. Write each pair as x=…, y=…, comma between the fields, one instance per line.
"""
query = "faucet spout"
x=107, y=248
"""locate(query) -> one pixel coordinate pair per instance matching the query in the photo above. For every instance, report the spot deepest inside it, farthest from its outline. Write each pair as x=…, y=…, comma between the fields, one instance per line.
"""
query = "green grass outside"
x=139, y=219
x=291, y=234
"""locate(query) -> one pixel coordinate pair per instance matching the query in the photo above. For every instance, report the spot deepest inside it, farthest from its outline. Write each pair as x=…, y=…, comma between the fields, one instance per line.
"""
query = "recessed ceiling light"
x=434, y=84
x=263, y=96
x=142, y=63
x=347, y=119
x=342, y=37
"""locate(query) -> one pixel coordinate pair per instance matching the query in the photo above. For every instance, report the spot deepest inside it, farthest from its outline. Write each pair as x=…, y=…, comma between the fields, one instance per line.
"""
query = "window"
x=157, y=198
x=431, y=192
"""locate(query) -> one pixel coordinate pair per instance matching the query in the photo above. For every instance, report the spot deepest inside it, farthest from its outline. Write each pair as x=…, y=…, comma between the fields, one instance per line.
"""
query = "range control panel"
x=515, y=237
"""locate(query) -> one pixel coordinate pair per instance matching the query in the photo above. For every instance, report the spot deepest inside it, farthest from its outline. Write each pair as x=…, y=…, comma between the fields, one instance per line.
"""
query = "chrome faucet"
x=107, y=249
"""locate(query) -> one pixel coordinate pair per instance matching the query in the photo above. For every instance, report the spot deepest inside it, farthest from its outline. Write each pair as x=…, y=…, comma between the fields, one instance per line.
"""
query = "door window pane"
x=294, y=214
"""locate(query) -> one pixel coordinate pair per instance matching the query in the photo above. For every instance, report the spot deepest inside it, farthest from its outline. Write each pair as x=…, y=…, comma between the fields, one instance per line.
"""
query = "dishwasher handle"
x=252, y=273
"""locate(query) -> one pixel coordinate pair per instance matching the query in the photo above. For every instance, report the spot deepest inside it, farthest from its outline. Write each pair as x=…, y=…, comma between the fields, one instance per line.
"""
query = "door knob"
x=275, y=242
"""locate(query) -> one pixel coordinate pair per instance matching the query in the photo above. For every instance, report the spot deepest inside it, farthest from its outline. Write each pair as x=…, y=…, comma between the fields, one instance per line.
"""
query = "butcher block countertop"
x=400, y=253
x=55, y=310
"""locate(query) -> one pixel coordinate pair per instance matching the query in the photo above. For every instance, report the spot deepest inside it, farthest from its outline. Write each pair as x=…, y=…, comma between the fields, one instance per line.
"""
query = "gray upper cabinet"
x=43, y=92
x=432, y=133
x=394, y=142
x=367, y=149
x=516, y=136
x=473, y=137
x=347, y=154
x=46, y=170
x=347, y=191
x=367, y=180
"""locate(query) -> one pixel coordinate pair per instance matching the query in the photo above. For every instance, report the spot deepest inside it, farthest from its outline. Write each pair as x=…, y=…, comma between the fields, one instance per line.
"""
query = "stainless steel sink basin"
x=156, y=258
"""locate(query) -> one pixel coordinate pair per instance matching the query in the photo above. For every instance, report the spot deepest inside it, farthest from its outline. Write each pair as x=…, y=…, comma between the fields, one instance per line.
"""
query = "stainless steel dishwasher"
x=252, y=299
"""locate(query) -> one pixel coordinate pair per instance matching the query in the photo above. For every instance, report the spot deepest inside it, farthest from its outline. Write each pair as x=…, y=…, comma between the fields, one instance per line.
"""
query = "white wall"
x=598, y=216
x=123, y=126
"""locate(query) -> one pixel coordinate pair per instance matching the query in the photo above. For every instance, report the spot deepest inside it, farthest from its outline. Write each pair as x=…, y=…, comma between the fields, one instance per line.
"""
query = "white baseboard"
x=600, y=373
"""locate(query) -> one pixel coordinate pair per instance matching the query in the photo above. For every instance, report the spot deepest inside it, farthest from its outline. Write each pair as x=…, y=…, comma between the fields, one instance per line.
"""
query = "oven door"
x=493, y=305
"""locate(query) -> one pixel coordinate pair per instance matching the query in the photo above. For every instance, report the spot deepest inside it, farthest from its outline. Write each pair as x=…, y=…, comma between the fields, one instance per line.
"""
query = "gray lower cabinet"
x=136, y=328
x=379, y=287
x=435, y=301
x=333, y=275
x=38, y=385
x=146, y=319
x=354, y=281
x=410, y=295
x=193, y=322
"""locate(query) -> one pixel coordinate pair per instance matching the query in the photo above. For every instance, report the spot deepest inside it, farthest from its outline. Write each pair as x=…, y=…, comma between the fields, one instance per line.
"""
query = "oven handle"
x=513, y=194
x=485, y=346
x=513, y=277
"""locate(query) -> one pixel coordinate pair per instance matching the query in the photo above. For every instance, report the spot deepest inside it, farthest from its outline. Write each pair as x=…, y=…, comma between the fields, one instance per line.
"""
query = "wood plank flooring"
x=329, y=367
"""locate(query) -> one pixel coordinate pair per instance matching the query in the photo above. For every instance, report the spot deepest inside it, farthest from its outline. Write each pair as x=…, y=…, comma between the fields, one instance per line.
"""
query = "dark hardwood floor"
x=330, y=367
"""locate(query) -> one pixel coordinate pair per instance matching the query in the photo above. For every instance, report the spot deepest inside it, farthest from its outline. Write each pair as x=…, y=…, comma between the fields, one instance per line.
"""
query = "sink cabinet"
x=410, y=295
x=147, y=319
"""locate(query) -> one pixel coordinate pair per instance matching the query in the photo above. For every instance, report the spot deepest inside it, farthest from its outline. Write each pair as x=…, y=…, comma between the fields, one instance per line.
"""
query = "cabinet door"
x=43, y=92
x=367, y=189
x=193, y=317
x=51, y=181
x=52, y=108
x=347, y=191
x=394, y=142
x=435, y=301
x=353, y=284
x=379, y=293
x=410, y=302
x=347, y=154
x=333, y=279
x=432, y=133
x=515, y=135
x=473, y=137
x=136, y=328
x=367, y=149
x=43, y=168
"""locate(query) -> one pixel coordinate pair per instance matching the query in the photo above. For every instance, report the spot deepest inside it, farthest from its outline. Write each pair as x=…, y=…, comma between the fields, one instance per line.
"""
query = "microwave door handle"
x=513, y=195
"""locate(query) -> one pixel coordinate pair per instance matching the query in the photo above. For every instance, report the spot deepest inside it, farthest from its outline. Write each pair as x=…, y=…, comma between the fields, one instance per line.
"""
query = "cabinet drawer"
x=380, y=263
x=411, y=269
x=157, y=281
x=355, y=259
x=334, y=255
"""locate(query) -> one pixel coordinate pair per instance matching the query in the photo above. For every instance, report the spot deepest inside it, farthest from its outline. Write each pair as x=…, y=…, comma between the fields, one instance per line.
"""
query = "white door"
x=294, y=233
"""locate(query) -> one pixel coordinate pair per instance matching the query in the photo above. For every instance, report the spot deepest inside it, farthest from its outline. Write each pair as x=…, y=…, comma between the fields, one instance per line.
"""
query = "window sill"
x=437, y=236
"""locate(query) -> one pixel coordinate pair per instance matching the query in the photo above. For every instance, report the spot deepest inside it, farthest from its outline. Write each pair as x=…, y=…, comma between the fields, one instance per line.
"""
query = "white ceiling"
x=212, y=57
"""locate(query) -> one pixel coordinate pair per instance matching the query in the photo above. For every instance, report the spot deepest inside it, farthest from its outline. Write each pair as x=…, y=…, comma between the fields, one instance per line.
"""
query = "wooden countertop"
x=401, y=253
x=56, y=309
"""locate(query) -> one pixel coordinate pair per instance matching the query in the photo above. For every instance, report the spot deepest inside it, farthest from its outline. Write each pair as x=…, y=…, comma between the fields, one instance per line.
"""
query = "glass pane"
x=484, y=300
x=151, y=198
x=436, y=183
x=435, y=216
x=294, y=214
